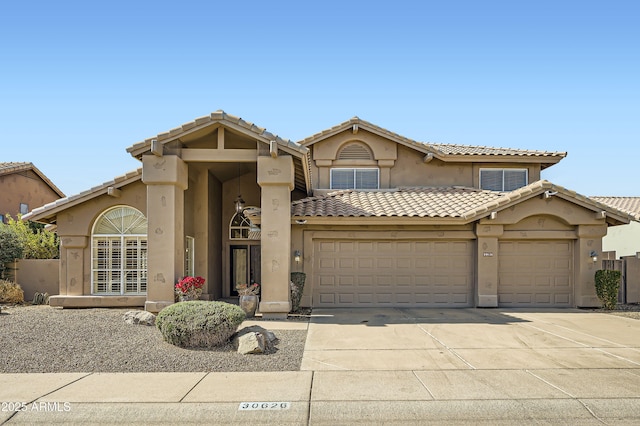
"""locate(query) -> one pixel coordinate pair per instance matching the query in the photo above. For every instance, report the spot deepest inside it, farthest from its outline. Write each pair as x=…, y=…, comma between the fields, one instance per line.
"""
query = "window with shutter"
x=119, y=252
x=354, y=178
x=503, y=179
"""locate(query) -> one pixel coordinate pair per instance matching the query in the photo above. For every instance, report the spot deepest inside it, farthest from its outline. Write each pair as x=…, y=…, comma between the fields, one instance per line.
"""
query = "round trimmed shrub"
x=199, y=323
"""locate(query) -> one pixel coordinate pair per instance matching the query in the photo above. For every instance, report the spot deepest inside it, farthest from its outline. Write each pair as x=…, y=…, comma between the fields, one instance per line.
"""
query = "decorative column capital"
x=165, y=170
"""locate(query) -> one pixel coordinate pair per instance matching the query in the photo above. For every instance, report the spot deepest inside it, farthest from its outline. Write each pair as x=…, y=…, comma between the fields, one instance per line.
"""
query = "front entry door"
x=245, y=265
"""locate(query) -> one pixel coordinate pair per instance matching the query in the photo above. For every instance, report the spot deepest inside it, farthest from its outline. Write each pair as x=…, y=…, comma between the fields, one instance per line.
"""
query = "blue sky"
x=82, y=81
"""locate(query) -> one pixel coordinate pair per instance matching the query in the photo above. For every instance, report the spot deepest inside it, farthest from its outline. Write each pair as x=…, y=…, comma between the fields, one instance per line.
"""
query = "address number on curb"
x=247, y=406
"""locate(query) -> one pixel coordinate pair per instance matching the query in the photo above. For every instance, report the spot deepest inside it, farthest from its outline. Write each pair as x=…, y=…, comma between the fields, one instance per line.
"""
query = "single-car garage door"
x=362, y=273
x=535, y=273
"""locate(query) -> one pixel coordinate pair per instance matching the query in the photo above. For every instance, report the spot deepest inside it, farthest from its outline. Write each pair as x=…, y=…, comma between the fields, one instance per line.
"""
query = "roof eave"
x=48, y=213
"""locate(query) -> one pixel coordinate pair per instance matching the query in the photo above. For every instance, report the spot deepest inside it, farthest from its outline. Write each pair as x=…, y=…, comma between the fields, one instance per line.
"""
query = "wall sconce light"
x=297, y=256
x=594, y=256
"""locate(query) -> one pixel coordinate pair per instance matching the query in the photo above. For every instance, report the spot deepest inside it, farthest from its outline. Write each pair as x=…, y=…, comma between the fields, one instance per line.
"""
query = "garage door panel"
x=394, y=273
x=535, y=273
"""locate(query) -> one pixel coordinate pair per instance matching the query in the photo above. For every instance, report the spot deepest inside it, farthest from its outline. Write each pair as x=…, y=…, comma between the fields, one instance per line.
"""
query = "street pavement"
x=378, y=366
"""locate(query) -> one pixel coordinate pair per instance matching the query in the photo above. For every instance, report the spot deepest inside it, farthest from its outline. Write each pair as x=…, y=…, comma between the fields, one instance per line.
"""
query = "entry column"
x=276, y=178
x=166, y=178
x=589, y=241
x=487, y=285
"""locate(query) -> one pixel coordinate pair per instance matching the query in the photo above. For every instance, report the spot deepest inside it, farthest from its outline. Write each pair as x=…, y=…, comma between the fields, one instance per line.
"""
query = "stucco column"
x=166, y=179
x=72, y=250
x=487, y=255
x=589, y=239
x=276, y=178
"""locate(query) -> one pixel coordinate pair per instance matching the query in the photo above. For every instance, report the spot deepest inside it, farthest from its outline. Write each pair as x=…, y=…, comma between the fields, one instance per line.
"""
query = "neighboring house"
x=623, y=240
x=22, y=188
x=372, y=218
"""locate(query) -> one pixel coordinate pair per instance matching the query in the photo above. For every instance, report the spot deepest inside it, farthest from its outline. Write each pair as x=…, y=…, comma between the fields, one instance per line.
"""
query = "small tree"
x=607, y=285
x=37, y=242
x=10, y=248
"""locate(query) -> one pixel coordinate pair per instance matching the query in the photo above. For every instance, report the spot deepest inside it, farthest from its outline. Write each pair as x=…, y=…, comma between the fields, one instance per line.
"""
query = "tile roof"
x=50, y=210
x=452, y=149
x=302, y=161
x=626, y=204
x=10, y=167
x=214, y=117
x=461, y=203
x=404, y=202
x=438, y=149
x=15, y=167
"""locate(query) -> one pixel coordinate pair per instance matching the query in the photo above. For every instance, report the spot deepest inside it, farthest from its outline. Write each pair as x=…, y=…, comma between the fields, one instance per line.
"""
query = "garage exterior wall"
x=546, y=242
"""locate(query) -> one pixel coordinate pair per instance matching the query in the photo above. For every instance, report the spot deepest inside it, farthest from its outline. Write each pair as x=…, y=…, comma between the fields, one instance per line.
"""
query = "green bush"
x=36, y=241
x=198, y=323
x=297, y=288
x=11, y=292
x=10, y=248
x=607, y=285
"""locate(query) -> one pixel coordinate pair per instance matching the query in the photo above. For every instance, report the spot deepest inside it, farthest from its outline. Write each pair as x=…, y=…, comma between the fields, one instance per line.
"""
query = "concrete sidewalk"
x=378, y=367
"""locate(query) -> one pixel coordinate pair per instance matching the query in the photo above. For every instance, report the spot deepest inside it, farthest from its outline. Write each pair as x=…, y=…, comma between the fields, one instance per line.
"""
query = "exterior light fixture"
x=239, y=201
x=239, y=204
x=594, y=256
x=297, y=256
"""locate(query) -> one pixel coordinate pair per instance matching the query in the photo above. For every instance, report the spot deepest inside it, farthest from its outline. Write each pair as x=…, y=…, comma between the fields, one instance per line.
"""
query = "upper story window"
x=503, y=179
x=24, y=208
x=355, y=178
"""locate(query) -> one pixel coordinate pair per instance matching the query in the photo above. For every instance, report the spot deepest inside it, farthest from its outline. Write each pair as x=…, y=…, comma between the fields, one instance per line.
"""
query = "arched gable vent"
x=355, y=151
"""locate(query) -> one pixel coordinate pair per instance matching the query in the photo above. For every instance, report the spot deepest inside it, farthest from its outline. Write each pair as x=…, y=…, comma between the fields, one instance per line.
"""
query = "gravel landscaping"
x=42, y=339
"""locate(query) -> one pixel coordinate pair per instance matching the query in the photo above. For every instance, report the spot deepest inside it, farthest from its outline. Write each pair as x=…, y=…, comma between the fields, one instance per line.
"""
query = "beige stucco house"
x=24, y=187
x=372, y=218
x=623, y=240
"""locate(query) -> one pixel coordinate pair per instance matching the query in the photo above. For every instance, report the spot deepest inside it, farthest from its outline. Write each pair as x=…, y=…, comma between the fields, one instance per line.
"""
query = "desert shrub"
x=297, y=288
x=607, y=285
x=199, y=323
x=37, y=242
x=11, y=292
x=10, y=248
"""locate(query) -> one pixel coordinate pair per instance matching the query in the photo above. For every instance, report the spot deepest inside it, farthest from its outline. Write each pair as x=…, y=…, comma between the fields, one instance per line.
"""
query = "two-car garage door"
x=437, y=273
x=362, y=273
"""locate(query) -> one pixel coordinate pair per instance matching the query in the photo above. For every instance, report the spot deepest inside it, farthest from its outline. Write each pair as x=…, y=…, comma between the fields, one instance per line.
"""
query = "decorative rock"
x=255, y=340
x=252, y=343
x=139, y=317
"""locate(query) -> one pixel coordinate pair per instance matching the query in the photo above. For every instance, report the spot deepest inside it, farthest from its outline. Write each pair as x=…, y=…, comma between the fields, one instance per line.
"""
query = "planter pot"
x=249, y=304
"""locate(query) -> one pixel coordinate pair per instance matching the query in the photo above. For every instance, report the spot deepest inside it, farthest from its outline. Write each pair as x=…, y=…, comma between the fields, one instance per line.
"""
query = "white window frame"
x=355, y=180
x=503, y=170
x=111, y=275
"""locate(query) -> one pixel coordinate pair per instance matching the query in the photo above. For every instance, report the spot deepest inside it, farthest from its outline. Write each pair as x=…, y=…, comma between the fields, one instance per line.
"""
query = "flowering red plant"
x=191, y=287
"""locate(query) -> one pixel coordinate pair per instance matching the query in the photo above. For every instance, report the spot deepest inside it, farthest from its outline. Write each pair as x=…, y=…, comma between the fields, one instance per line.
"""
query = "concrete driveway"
x=375, y=366
x=473, y=365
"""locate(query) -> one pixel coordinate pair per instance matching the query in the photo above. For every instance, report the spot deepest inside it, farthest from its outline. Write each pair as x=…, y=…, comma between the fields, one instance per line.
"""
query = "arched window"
x=119, y=252
x=241, y=228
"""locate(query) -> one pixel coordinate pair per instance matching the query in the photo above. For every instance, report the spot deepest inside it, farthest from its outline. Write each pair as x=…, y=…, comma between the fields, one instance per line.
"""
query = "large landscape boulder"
x=255, y=340
x=139, y=317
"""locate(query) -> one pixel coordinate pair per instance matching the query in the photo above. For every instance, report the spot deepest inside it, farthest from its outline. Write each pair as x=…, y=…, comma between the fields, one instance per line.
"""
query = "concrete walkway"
x=374, y=366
